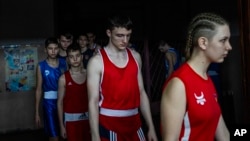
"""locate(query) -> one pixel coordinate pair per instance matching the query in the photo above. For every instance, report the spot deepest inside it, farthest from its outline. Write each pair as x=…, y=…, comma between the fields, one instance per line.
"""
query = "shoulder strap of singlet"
x=67, y=76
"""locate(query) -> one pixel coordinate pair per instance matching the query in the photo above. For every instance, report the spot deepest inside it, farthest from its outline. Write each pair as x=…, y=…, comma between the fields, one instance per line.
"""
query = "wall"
x=22, y=22
x=26, y=19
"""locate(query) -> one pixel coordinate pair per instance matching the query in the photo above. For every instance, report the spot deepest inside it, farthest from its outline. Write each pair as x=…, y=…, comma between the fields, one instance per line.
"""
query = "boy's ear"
x=108, y=32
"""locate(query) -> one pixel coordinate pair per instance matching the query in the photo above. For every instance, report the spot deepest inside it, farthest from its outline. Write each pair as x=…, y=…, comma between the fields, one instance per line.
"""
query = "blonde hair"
x=203, y=24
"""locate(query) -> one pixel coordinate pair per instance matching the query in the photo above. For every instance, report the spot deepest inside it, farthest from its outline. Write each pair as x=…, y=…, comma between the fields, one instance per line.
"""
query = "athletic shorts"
x=77, y=126
x=108, y=135
x=78, y=130
x=121, y=128
x=51, y=122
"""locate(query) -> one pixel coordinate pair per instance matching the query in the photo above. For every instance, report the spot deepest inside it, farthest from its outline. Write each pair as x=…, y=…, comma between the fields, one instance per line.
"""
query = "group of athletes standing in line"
x=99, y=95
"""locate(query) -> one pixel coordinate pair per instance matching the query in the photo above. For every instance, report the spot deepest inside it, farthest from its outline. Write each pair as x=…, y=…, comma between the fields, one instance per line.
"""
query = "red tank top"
x=119, y=86
x=202, y=110
x=75, y=98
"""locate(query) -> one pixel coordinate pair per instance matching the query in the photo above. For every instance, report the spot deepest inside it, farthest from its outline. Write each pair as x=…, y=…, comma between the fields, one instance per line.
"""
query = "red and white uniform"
x=202, y=109
x=75, y=107
x=120, y=99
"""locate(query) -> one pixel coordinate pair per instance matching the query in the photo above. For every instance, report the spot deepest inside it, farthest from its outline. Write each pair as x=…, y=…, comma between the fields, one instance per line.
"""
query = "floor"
x=30, y=135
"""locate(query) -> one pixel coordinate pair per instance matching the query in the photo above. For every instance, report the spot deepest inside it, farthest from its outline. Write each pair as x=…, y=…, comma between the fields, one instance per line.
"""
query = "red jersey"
x=119, y=85
x=120, y=94
x=202, y=109
x=76, y=98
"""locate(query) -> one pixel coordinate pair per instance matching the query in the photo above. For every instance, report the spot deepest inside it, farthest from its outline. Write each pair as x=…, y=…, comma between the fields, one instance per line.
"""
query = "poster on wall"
x=20, y=68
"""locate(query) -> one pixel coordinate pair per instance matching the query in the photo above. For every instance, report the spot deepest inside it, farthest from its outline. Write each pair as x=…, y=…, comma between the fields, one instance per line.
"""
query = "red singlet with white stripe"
x=202, y=109
x=119, y=86
x=120, y=92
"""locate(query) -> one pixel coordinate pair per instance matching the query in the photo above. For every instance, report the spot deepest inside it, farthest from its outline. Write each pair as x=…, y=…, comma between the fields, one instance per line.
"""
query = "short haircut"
x=72, y=48
x=51, y=40
x=67, y=35
x=121, y=20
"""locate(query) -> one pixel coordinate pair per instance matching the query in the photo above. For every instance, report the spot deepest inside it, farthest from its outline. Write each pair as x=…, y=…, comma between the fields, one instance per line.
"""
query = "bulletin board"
x=18, y=62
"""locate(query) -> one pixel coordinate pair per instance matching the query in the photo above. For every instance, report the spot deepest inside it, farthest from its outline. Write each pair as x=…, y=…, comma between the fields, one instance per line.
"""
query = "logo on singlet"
x=200, y=99
x=84, y=116
x=46, y=72
x=69, y=83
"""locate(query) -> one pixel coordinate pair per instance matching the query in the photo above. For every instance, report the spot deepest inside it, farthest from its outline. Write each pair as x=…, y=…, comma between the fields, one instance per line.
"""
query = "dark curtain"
x=244, y=14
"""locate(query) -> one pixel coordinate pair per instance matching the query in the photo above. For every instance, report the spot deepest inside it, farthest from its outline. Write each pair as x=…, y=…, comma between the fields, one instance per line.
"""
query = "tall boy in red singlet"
x=73, y=99
x=115, y=89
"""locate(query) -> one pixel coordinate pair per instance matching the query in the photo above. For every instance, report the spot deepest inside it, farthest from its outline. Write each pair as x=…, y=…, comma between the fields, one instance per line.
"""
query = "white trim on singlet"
x=131, y=51
x=50, y=95
x=125, y=65
x=187, y=128
x=118, y=113
x=100, y=83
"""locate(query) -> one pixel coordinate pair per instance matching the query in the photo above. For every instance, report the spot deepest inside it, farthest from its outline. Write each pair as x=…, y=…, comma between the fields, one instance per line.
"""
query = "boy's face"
x=75, y=58
x=52, y=50
x=163, y=48
x=91, y=37
x=83, y=41
x=119, y=37
x=64, y=42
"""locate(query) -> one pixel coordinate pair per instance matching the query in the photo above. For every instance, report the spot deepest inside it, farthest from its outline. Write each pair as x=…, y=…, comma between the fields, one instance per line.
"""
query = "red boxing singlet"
x=75, y=105
x=119, y=100
x=202, y=109
x=76, y=97
x=119, y=86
